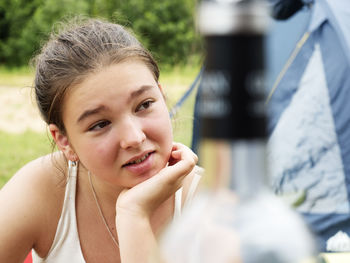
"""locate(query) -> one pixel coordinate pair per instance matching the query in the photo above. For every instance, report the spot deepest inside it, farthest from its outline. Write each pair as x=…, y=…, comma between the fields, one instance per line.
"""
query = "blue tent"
x=309, y=107
x=281, y=39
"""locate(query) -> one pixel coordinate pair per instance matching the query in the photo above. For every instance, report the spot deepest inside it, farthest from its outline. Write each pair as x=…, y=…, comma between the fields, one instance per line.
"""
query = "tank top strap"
x=194, y=184
x=66, y=242
x=178, y=204
x=198, y=171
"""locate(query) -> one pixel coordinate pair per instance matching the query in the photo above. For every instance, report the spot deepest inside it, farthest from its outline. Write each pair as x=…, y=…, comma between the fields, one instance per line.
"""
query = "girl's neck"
x=106, y=192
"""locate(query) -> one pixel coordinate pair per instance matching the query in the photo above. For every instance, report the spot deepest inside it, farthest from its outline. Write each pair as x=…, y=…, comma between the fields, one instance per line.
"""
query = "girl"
x=110, y=190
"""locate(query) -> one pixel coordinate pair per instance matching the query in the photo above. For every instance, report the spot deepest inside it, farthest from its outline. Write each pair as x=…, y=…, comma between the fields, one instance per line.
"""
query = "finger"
x=175, y=155
x=181, y=163
x=184, y=152
x=180, y=168
x=182, y=156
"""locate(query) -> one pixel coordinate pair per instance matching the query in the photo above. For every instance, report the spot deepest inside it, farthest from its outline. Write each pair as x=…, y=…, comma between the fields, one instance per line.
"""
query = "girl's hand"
x=135, y=206
x=144, y=198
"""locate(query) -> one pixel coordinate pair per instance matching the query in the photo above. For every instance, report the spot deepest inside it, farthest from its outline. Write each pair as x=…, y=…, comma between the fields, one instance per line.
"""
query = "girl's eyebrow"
x=139, y=91
x=97, y=110
x=90, y=112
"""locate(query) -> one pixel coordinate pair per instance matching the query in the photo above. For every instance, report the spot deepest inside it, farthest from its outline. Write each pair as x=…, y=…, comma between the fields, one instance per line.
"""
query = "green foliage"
x=12, y=20
x=28, y=22
x=165, y=26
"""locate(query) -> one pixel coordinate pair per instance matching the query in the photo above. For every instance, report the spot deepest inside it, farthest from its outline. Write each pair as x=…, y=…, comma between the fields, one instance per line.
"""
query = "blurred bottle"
x=237, y=219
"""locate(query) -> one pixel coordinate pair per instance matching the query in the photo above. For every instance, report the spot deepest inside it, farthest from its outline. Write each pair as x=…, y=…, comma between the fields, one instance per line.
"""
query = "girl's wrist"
x=131, y=215
x=135, y=231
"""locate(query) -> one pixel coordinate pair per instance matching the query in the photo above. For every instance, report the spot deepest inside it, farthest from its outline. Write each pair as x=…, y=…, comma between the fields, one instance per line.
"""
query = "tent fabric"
x=310, y=123
x=284, y=9
x=281, y=39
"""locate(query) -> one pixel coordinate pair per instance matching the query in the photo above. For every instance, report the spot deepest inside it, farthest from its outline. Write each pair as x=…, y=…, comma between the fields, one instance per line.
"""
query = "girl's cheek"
x=101, y=148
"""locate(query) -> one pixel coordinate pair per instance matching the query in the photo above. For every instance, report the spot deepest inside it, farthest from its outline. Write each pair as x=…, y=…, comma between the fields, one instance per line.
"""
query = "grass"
x=16, y=77
x=175, y=83
x=179, y=75
x=18, y=149
x=183, y=122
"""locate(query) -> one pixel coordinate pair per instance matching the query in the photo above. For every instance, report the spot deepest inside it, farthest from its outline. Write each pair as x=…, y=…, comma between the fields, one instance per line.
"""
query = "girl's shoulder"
x=31, y=203
x=42, y=176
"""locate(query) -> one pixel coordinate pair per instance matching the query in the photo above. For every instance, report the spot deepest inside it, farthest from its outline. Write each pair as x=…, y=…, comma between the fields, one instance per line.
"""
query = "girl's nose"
x=132, y=135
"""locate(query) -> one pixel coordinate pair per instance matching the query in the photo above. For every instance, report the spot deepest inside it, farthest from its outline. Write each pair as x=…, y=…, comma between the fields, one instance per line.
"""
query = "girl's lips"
x=141, y=167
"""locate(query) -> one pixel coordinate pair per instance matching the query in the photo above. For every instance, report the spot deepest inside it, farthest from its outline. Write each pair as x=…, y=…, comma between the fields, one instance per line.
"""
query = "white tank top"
x=66, y=244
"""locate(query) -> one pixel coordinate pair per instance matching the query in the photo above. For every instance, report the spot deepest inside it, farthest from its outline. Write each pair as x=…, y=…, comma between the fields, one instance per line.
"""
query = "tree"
x=27, y=22
x=164, y=26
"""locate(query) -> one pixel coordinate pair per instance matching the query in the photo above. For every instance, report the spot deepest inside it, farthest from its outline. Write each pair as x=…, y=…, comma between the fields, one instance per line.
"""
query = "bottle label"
x=232, y=91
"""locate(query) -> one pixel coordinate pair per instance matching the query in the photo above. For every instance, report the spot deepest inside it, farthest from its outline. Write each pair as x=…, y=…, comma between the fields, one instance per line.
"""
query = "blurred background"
x=166, y=27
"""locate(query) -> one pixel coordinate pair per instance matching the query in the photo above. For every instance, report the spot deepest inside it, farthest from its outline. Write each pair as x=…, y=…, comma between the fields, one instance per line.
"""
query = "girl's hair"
x=78, y=50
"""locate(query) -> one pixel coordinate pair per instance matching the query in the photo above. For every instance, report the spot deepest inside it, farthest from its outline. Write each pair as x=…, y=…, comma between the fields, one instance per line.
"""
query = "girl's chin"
x=144, y=177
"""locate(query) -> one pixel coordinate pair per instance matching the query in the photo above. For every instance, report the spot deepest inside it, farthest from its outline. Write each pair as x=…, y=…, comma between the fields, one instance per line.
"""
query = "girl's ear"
x=62, y=143
x=161, y=90
x=160, y=87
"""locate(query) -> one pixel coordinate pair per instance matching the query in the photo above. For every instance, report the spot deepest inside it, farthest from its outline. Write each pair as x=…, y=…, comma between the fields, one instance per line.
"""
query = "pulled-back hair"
x=77, y=50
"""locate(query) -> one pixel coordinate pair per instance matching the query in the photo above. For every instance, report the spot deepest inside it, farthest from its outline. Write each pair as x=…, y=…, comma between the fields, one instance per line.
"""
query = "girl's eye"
x=145, y=105
x=100, y=125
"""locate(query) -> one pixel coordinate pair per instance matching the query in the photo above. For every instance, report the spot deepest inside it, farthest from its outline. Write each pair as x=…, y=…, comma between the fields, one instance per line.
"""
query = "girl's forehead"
x=118, y=82
x=121, y=77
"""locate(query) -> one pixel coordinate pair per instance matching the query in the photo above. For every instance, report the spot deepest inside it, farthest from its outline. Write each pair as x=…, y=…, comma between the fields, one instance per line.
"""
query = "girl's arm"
x=136, y=205
x=24, y=208
x=17, y=217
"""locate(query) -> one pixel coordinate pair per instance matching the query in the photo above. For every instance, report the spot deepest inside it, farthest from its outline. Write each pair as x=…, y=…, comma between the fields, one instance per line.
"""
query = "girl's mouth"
x=140, y=165
x=138, y=161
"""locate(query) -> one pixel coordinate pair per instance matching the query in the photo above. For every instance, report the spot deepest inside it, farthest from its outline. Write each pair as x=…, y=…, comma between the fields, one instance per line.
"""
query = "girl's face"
x=118, y=124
